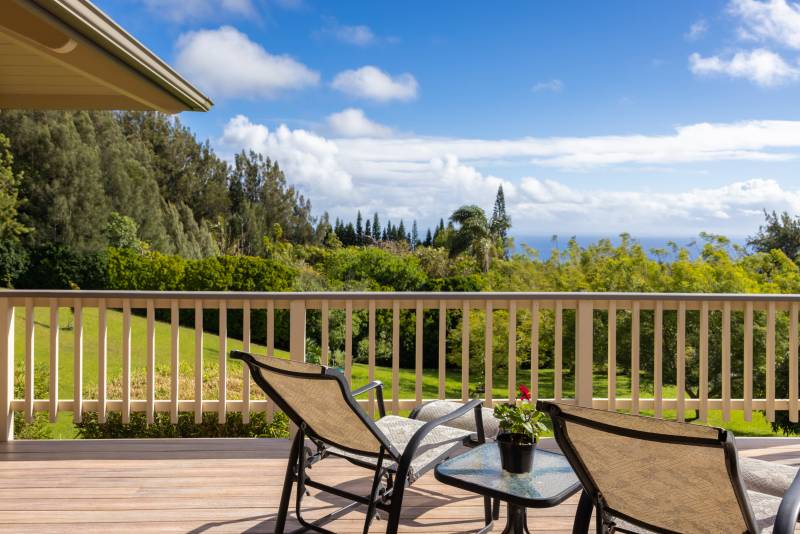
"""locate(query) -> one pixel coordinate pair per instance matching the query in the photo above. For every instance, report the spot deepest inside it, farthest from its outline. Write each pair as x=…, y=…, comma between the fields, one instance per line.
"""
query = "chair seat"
x=765, y=509
x=399, y=431
x=435, y=409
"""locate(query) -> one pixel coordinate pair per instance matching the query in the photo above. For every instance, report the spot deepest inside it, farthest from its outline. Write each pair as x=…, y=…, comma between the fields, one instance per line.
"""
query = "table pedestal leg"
x=517, y=520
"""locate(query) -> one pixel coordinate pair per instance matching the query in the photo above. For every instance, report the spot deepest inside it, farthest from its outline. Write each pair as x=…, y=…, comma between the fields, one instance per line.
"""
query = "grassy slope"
x=63, y=429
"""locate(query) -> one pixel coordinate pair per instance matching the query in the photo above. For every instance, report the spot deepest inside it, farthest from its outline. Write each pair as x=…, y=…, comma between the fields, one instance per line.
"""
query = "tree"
x=780, y=232
x=414, y=235
x=359, y=229
x=473, y=235
x=500, y=222
x=10, y=226
x=122, y=232
x=401, y=232
x=428, y=238
x=376, y=227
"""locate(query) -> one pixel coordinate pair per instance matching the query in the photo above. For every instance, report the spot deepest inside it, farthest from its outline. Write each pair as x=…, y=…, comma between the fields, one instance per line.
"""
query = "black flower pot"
x=515, y=455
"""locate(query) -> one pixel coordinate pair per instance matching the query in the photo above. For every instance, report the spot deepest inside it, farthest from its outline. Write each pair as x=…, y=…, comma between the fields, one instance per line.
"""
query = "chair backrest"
x=317, y=399
x=662, y=475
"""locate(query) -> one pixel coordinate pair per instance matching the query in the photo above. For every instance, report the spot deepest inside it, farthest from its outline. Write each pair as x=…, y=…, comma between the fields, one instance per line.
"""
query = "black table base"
x=517, y=520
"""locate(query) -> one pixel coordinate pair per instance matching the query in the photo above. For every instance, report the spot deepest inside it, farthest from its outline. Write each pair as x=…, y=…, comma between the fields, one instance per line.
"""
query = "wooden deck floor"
x=222, y=485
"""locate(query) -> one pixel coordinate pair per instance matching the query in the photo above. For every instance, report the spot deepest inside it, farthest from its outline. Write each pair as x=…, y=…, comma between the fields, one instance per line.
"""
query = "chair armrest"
x=789, y=510
x=411, y=449
x=375, y=384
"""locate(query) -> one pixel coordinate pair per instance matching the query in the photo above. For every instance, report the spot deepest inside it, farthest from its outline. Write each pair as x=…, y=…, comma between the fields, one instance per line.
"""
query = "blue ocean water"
x=546, y=244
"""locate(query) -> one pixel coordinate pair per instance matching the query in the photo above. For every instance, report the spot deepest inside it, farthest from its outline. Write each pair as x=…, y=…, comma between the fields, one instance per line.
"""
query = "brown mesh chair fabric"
x=320, y=404
x=661, y=475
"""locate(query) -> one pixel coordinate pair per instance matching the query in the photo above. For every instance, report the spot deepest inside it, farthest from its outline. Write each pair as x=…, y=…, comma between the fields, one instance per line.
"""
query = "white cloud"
x=226, y=63
x=734, y=207
x=186, y=10
x=357, y=35
x=310, y=160
x=352, y=122
x=760, y=66
x=552, y=86
x=420, y=177
x=696, y=30
x=773, y=20
x=371, y=83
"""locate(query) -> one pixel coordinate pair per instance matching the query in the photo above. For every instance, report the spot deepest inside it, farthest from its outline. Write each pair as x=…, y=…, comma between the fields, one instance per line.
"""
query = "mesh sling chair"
x=643, y=474
x=398, y=449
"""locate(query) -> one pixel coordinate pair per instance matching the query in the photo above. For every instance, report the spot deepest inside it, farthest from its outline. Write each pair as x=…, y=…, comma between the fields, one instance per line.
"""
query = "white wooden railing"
x=588, y=308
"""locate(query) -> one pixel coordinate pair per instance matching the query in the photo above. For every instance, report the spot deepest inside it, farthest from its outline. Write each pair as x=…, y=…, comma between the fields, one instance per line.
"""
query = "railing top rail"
x=394, y=295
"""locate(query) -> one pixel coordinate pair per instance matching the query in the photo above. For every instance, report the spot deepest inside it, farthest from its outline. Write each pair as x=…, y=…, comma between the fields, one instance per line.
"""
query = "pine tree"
x=359, y=229
x=376, y=227
x=414, y=235
x=428, y=238
x=367, y=231
x=401, y=232
x=500, y=222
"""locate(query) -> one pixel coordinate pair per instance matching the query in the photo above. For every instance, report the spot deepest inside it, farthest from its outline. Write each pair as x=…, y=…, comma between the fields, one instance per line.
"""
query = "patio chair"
x=642, y=474
x=398, y=450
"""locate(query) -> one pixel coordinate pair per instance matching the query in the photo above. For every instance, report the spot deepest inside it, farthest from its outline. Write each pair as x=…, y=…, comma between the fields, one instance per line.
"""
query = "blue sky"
x=656, y=118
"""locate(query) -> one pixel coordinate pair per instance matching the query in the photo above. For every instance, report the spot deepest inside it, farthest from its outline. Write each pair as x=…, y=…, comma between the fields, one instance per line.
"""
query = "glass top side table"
x=550, y=482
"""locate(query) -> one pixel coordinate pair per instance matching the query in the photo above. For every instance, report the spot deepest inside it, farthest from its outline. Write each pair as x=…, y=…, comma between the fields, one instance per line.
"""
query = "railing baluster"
x=175, y=362
x=771, y=362
x=77, y=363
x=635, y=329
x=512, y=350
x=793, y=363
x=558, y=341
x=748, y=361
x=54, y=331
x=420, y=326
x=371, y=354
x=658, y=341
x=584, y=353
x=442, y=346
x=151, y=362
x=465, y=309
x=726, y=361
x=348, y=341
x=680, y=363
x=198, y=361
x=612, y=355
x=246, y=368
x=6, y=369
x=223, y=361
x=324, y=344
x=488, y=350
x=30, y=334
x=395, y=357
x=534, y=351
x=126, y=361
x=102, y=360
x=270, y=349
x=703, y=372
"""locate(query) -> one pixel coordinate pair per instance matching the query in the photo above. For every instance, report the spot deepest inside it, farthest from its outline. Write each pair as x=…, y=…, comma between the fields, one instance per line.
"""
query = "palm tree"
x=473, y=235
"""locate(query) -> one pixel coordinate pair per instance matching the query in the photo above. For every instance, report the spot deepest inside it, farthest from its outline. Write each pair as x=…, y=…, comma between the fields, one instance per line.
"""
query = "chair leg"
x=583, y=515
x=397, y=505
x=373, y=494
x=288, y=482
x=496, y=509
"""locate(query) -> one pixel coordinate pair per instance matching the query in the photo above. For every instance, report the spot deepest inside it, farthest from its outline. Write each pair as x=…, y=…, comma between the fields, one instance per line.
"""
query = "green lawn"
x=64, y=429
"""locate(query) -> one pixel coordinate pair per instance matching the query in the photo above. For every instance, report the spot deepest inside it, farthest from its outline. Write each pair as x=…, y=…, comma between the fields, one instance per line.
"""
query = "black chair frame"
x=388, y=486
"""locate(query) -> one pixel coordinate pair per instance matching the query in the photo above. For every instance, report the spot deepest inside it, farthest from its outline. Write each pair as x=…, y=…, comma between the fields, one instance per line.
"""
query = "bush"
x=113, y=428
x=14, y=261
x=55, y=266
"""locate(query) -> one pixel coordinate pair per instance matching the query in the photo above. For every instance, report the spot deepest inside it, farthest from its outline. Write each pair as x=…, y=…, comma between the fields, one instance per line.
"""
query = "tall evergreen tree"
x=500, y=222
x=414, y=235
x=428, y=238
x=359, y=229
x=376, y=227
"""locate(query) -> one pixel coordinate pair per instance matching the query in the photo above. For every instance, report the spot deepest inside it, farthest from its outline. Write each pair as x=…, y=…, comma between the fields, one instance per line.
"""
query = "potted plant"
x=520, y=427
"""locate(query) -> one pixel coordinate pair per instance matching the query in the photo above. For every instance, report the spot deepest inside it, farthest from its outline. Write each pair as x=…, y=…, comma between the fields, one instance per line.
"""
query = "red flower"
x=524, y=392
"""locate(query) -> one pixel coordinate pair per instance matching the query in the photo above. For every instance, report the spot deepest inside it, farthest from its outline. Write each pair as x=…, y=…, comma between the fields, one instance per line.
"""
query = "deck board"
x=225, y=485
